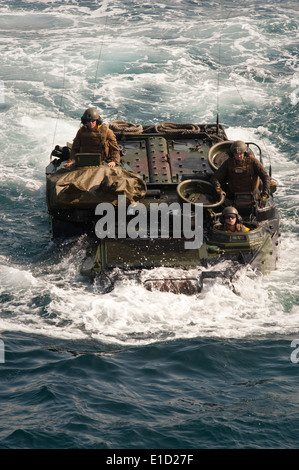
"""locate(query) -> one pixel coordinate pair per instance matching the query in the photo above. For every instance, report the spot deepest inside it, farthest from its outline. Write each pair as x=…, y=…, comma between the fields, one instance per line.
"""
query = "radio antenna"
x=99, y=59
x=60, y=105
x=219, y=62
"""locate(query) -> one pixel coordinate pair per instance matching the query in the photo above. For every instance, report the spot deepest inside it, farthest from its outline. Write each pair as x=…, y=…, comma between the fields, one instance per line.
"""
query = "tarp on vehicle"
x=88, y=186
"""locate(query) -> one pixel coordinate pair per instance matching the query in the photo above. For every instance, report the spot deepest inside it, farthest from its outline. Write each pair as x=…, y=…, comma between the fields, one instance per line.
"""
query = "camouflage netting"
x=86, y=187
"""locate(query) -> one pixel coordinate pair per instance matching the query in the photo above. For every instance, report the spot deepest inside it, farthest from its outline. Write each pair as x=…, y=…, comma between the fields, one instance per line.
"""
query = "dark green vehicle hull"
x=175, y=166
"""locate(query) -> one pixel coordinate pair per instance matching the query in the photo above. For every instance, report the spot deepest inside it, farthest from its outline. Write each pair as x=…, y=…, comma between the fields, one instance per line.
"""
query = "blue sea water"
x=134, y=369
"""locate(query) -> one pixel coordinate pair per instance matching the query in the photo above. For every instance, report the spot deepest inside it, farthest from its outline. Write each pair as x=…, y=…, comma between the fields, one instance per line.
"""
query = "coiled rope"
x=171, y=127
x=125, y=127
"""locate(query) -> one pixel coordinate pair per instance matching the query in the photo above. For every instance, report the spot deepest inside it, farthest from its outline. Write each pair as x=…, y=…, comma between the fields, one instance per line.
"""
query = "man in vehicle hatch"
x=242, y=172
x=95, y=137
x=230, y=221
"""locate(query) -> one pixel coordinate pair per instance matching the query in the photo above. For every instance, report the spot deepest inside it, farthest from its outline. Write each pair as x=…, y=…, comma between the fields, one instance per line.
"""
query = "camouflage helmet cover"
x=90, y=114
x=238, y=147
x=230, y=210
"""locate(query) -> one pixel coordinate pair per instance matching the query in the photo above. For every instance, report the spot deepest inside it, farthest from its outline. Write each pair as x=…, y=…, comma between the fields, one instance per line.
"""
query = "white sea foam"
x=151, y=63
x=130, y=315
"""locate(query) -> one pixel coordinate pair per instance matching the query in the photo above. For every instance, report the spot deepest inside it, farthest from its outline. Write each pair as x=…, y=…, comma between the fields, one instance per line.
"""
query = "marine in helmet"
x=95, y=137
x=242, y=172
x=230, y=221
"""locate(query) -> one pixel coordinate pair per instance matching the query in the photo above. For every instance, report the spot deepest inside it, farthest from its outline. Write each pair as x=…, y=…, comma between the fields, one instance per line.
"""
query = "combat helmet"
x=238, y=147
x=230, y=210
x=91, y=114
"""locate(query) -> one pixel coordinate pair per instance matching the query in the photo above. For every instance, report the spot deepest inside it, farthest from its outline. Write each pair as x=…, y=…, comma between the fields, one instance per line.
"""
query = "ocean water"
x=134, y=369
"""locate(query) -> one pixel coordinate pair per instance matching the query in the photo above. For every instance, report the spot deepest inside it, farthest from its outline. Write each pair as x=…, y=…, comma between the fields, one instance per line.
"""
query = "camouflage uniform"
x=242, y=177
x=100, y=140
x=239, y=228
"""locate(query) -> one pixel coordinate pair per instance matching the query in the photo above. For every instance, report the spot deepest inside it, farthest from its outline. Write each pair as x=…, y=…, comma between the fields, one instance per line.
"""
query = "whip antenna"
x=99, y=59
x=218, y=73
x=219, y=64
x=60, y=105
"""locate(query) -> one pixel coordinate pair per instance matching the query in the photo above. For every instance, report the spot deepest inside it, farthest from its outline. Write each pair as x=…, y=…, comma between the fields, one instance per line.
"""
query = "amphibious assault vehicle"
x=153, y=219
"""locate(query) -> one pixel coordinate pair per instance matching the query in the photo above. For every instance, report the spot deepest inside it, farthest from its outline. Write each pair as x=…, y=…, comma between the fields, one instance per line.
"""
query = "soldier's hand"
x=220, y=193
x=263, y=200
